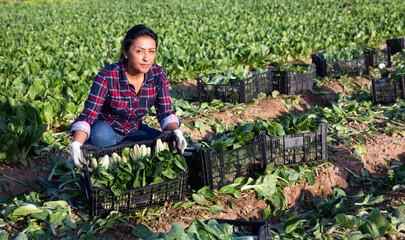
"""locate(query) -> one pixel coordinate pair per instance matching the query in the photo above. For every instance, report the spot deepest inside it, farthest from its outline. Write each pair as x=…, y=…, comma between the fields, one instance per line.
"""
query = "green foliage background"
x=51, y=50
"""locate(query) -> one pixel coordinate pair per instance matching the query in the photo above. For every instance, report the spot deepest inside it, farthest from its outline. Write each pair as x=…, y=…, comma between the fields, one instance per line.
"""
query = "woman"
x=122, y=94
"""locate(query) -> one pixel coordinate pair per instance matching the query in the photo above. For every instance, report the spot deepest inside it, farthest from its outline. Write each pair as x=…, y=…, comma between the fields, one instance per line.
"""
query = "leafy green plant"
x=230, y=76
x=46, y=219
x=20, y=128
x=344, y=54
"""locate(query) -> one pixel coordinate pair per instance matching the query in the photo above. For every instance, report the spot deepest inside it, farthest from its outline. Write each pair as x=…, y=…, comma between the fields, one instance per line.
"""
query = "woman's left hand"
x=180, y=140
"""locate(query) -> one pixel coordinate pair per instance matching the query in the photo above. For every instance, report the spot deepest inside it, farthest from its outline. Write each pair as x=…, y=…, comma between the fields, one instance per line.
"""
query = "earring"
x=126, y=57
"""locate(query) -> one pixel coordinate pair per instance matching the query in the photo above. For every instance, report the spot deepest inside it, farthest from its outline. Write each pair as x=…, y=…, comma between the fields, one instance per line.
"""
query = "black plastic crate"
x=388, y=89
x=396, y=44
x=289, y=83
x=216, y=170
x=244, y=92
x=297, y=148
x=101, y=201
x=260, y=229
x=337, y=69
x=377, y=57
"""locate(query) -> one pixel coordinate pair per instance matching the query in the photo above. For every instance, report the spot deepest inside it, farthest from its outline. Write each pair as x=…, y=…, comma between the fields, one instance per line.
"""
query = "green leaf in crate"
x=245, y=128
x=117, y=189
x=176, y=232
x=180, y=162
x=207, y=228
x=170, y=173
x=302, y=123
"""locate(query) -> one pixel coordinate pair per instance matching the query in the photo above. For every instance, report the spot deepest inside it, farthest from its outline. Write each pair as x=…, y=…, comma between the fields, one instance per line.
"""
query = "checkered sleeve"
x=92, y=105
x=164, y=111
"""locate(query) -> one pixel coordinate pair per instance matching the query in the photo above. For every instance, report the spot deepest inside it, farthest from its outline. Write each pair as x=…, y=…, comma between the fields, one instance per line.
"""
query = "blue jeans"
x=102, y=135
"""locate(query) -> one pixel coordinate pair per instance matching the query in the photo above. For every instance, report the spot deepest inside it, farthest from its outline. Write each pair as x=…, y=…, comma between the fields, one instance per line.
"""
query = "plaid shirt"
x=114, y=100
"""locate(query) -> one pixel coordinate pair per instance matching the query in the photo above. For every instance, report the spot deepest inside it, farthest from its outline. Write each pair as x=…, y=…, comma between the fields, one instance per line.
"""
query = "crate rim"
x=210, y=75
x=259, y=135
x=362, y=58
x=88, y=148
x=311, y=67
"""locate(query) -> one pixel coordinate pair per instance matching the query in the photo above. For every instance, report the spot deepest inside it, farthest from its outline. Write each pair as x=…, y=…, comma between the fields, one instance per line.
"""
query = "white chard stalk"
x=94, y=163
x=142, y=150
x=159, y=146
x=105, y=161
x=137, y=151
x=149, y=150
x=166, y=146
x=115, y=158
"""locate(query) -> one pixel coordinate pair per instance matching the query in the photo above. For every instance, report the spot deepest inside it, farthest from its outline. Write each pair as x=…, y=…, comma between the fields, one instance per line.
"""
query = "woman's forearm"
x=171, y=126
x=80, y=136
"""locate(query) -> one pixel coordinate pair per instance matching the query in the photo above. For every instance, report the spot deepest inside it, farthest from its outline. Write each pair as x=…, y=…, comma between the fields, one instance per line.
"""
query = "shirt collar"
x=123, y=77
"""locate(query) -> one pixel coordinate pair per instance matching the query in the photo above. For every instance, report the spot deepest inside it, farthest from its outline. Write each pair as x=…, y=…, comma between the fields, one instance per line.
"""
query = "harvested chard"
x=105, y=161
x=94, y=163
x=139, y=170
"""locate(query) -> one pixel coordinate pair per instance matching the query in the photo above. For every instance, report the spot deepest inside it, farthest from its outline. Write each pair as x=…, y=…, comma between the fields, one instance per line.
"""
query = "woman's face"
x=141, y=55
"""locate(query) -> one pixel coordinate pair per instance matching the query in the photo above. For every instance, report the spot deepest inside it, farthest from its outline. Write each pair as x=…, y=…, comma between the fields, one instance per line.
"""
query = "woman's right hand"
x=77, y=154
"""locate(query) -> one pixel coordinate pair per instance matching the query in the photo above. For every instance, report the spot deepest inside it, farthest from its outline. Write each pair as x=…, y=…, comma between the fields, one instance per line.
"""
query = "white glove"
x=180, y=141
x=77, y=154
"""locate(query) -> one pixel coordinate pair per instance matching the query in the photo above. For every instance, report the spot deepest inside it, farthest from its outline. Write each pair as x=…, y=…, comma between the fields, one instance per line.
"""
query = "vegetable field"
x=50, y=51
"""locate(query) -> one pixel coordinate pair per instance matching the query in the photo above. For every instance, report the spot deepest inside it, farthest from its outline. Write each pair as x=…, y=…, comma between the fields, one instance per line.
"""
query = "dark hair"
x=134, y=33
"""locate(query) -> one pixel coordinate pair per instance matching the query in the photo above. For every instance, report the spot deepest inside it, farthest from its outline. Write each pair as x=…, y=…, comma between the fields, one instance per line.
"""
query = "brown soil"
x=27, y=173
x=379, y=148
